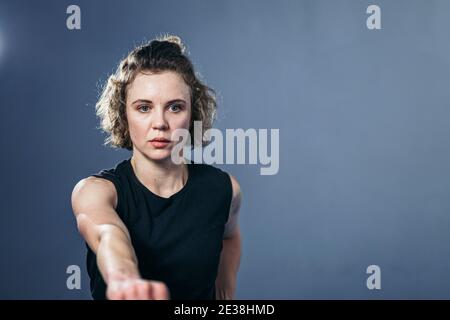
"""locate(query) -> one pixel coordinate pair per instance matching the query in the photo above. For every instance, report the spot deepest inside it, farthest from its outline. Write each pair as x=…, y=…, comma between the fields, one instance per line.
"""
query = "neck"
x=164, y=178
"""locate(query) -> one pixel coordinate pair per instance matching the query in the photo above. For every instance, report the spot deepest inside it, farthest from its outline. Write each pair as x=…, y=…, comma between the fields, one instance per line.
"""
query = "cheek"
x=185, y=123
x=181, y=122
x=136, y=128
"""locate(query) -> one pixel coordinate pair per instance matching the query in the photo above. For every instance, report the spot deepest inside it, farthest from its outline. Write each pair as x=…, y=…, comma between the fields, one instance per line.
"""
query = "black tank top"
x=177, y=240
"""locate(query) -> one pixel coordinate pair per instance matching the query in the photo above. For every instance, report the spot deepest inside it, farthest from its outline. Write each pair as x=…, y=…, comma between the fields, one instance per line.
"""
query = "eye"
x=175, y=108
x=143, y=108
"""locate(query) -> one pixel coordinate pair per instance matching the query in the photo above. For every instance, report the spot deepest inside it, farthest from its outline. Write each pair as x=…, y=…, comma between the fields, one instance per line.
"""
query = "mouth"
x=159, y=140
x=160, y=143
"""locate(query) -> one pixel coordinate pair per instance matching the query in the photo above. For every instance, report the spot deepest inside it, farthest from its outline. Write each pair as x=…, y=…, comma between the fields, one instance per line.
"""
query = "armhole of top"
x=230, y=196
x=116, y=184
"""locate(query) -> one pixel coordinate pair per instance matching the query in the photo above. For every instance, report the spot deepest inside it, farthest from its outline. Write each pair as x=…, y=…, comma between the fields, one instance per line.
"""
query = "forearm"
x=228, y=267
x=116, y=258
x=118, y=265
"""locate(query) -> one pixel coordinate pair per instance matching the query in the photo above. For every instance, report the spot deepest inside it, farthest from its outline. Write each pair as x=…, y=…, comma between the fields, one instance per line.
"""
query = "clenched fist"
x=137, y=289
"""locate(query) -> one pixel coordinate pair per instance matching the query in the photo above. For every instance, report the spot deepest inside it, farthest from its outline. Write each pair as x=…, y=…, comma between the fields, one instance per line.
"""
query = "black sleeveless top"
x=177, y=240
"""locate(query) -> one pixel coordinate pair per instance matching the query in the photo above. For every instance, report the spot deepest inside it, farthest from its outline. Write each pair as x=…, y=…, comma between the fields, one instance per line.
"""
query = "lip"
x=160, y=140
x=159, y=143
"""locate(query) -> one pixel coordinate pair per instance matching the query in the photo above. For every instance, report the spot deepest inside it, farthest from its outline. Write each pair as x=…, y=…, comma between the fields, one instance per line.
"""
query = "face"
x=157, y=104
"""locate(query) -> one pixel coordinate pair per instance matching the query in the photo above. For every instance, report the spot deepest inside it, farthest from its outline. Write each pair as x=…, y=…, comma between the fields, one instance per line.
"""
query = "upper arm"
x=93, y=202
x=231, y=227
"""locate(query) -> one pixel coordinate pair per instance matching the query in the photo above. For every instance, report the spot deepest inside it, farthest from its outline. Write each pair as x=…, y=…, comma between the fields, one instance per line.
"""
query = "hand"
x=137, y=289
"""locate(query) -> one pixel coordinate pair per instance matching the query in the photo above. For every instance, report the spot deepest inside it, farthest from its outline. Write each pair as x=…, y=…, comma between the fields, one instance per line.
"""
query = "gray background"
x=364, y=119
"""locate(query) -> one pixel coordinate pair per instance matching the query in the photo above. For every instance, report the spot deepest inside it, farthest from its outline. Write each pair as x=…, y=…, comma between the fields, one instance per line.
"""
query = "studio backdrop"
x=352, y=98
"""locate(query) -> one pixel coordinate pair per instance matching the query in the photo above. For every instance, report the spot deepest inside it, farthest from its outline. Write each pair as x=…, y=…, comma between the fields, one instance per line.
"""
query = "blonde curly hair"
x=166, y=53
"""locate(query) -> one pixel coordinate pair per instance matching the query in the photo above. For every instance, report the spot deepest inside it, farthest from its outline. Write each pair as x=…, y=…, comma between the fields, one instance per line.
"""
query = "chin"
x=159, y=155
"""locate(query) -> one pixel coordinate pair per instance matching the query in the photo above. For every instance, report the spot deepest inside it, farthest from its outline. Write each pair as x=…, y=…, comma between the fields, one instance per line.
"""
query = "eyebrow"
x=150, y=101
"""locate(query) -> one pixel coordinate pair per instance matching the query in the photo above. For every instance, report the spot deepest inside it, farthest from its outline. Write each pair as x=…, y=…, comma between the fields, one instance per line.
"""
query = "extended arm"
x=93, y=202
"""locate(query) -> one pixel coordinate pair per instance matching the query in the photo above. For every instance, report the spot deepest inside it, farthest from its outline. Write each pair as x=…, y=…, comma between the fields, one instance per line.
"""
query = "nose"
x=159, y=121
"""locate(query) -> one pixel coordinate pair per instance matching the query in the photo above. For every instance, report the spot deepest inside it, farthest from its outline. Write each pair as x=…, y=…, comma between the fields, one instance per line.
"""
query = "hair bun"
x=173, y=39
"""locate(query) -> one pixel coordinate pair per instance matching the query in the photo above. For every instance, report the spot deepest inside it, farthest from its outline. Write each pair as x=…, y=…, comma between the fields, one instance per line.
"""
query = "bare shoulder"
x=94, y=202
x=237, y=193
x=231, y=226
x=93, y=191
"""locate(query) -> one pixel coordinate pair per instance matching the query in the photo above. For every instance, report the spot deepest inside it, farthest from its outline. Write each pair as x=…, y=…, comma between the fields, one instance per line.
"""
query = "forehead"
x=157, y=87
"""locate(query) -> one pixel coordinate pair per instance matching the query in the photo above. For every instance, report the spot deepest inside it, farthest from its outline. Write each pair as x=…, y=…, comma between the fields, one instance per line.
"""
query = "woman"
x=155, y=229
